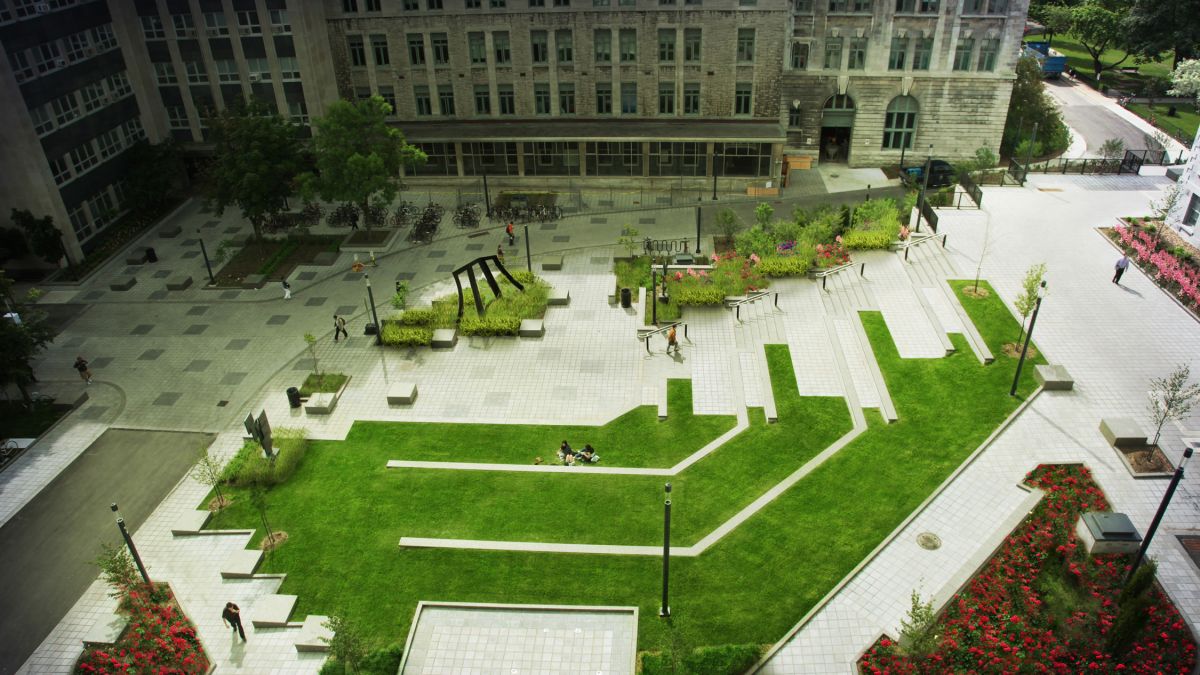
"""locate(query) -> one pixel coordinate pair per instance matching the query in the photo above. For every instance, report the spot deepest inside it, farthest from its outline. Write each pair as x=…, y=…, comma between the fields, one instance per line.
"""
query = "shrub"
x=785, y=265
x=757, y=240
x=417, y=317
x=326, y=382
x=717, y=660
x=683, y=293
x=401, y=295
x=249, y=467
x=917, y=636
x=942, y=197
x=869, y=239
x=383, y=661
x=763, y=213
x=400, y=336
x=487, y=326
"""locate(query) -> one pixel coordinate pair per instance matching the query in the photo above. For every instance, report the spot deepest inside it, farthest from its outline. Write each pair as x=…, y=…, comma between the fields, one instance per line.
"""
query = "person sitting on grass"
x=564, y=450
x=569, y=459
x=589, y=454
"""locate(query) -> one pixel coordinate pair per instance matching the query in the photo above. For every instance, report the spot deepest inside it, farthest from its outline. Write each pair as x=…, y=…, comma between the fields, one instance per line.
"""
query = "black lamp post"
x=665, y=609
x=697, y=230
x=204, y=252
x=129, y=544
x=374, y=315
x=716, y=166
x=924, y=187
x=1162, y=509
x=654, y=295
x=528, y=254
x=1041, y=293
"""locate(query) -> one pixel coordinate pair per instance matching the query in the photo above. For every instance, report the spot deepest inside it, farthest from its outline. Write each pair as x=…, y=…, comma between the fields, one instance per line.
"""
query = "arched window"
x=900, y=123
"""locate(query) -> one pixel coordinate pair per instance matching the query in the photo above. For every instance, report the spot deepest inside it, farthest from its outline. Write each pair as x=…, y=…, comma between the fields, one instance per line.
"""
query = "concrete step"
x=273, y=611
x=314, y=636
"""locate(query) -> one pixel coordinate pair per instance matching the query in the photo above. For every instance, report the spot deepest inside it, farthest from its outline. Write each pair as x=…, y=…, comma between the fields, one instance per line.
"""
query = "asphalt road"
x=1084, y=111
x=46, y=549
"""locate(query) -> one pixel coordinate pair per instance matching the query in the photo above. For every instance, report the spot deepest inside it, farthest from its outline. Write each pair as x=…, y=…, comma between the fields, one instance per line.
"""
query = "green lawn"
x=1079, y=59
x=1182, y=127
x=345, y=512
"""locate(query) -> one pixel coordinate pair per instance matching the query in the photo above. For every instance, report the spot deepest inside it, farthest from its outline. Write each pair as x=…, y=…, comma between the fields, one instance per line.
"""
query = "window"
x=413, y=5
x=858, y=54
x=600, y=3
x=923, y=54
x=906, y=6
x=862, y=5
x=1193, y=210
x=747, y=3
x=745, y=45
x=988, y=49
x=79, y=223
x=184, y=27
x=566, y=99
x=248, y=23
x=214, y=23
x=118, y=84
x=603, y=42
x=666, y=45
x=539, y=43
x=195, y=72
x=666, y=99
x=928, y=6
x=152, y=28
x=799, y=55
x=104, y=38
x=562, y=3
x=629, y=98
x=422, y=101
x=446, y=99
x=508, y=103
x=83, y=157
x=898, y=54
x=477, y=48
x=833, y=53
x=60, y=170
x=997, y=7
x=603, y=98
x=92, y=96
x=227, y=71
x=564, y=42
x=691, y=45
x=65, y=109
x=164, y=72
x=441, y=48
x=43, y=123
x=803, y=6
x=379, y=48
x=109, y=143
x=374, y=5
x=795, y=117
x=259, y=69
x=46, y=57
x=899, y=123
x=433, y=4
x=388, y=94
x=177, y=117
x=974, y=6
x=350, y=6
x=537, y=3
x=962, y=53
x=541, y=99
x=691, y=99
x=358, y=54
x=496, y=4
x=483, y=100
x=627, y=3
x=742, y=97
x=134, y=131
x=101, y=206
x=628, y=45
x=501, y=48
x=289, y=68
x=298, y=111
x=77, y=45
x=281, y=23
x=837, y=5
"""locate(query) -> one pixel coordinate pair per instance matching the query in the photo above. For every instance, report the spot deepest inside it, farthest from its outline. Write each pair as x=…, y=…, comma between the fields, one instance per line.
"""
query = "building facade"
x=1186, y=211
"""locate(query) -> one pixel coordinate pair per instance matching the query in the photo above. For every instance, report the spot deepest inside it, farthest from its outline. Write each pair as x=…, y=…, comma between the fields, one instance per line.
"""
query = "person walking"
x=339, y=328
x=672, y=340
x=81, y=365
x=500, y=253
x=232, y=616
x=1122, y=265
x=287, y=290
x=512, y=238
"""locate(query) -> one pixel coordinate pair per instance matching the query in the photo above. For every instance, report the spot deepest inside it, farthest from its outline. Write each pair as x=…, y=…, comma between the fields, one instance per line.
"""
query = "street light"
x=204, y=252
x=924, y=187
x=374, y=315
x=1162, y=509
x=1041, y=293
x=716, y=166
x=129, y=544
x=665, y=609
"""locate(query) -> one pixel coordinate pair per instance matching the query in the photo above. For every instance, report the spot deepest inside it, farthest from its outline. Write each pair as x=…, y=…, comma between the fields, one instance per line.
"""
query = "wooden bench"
x=124, y=284
x=180, y=283
x=402, y=393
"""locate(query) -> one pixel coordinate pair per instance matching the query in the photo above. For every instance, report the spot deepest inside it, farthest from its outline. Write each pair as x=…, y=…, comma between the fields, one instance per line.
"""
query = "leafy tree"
x=1100, y=25
x=20, y=342
x=12, y=243
x=209, y=471
x=152, y=175
x=1029, y=104
x=358, y=155
x=258, y=499
x=1185, y=80
x=1027, y=300
x=1171, y=398
x=1157, y=26
x=311, y=341
x=118, y=570
x=1113, y=148
x=348, y=644
x=763, y=213
x=257, y=159
x=1056, y=19
x=44, y=238
x=727, y=220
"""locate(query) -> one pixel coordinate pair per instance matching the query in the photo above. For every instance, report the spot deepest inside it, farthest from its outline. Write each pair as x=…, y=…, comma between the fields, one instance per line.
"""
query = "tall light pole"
x=716, y=166
x=129, y=544
x=665, y=609
x=1041, y=293
x=204, y=252
x=1162, y=509
x=924, y=187
x=374, y=315
x=528, y=252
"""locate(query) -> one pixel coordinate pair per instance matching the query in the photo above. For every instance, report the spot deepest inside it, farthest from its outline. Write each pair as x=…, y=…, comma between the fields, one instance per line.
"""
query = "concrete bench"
x=531, y=328
x=321, y=403
x=402, y=393
x=254, y=281
x=314, y=636
x=105, y=631
x=444, y=338
x=554, y=262
x=241, y=564
x=1122, y=432
x=273, y=611
x=170, y=231
x=190, y=523
x=325, y=258
x=559, y=297
x=180, y=283
x=124, y=284
x=137, y=256
x=1054, y=378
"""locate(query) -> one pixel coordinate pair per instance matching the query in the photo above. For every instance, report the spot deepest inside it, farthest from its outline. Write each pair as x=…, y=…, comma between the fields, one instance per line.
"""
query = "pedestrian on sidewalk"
x=512, y=238
x=81, y=365
x=1122, y=265
x=232, y=616
x=287, y=290
x=339, y=328
x=500, y=253
x=672, y=340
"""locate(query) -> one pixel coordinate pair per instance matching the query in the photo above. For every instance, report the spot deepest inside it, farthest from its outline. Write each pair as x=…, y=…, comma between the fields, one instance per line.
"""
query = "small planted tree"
x=1027, y=300
x=728, y=221
x=629, y=239
x=917, y=636
x=44, y=238
x=258, y=499
x=1113, y=148
x=118, y=570
x=347, y=644
x=311, y=341
x=987, y=238
x=1171, y=398
x=763, y=213
x=400, y=299
x=209, y=472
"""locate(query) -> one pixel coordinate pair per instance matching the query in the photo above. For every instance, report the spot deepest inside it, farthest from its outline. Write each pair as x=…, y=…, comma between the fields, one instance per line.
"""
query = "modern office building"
x=631, y=89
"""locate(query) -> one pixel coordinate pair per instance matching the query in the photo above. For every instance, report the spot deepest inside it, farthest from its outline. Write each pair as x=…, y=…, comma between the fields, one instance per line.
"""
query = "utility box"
x=1103, y=533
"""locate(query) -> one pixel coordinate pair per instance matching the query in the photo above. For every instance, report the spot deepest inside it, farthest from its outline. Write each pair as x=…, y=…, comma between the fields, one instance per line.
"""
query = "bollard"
x=906, y=252
x=776, y=301
x=944, y=240
x=824, y=279
x=862, y=270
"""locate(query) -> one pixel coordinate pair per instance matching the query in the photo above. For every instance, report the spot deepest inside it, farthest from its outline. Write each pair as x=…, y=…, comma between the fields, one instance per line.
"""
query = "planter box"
x=323, y=402
x=314, y=636
x=325, y=258
x=254, y=281
x=1130, y=454
x=402, y=393
x=179, y=283
x=170, y=232
x=444, y=338
x=559, y=297
x=348, y=245
x=137, y=256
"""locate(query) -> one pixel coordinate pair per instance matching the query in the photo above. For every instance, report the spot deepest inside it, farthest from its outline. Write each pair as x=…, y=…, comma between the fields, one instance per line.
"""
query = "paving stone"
x=442, y=269
x=306, y=276
x=315, y=302
x=237, y=344
x=662, y=200
x=101, y=361
x=142, y=329
x=167, y=398
x=436, y=254
x=232, y=230
x=197, y=310
x=599, y=220
x=599, y=260
x=561, y=238
x=93, y=412
x=278, y=320
x=345, y=310
x=229, y=295
x=158, y=295
x=74, y=342
x=606, y=203
x=233, y=379
x=549, y=226
x=497, y=398
x=150, y=355
x=190, y=242
x=352, y=276
x=162, y=274
x=195, y=329
x=646, y=221
x=406, y=276
x=188, y=255
x=94, y=295
x=474, y=247
x=131, y=271
x=303, y=364
x=197, y=366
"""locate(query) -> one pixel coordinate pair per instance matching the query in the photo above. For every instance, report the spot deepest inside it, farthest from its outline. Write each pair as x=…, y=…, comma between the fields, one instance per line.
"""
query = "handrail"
x=667, y=327
x=757, y=295
x=824, y=275
x=915, y=240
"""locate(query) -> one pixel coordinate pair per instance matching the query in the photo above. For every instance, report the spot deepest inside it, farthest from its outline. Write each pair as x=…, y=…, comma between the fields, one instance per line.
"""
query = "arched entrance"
x=837, y=120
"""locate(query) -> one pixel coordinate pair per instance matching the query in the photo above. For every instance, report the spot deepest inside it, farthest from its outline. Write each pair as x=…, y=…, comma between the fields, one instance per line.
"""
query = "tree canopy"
x=1185, y=79
x=1157, y=26
x=20, y=342
x=44, y=238
x=1100, y=25
x=1029, y=104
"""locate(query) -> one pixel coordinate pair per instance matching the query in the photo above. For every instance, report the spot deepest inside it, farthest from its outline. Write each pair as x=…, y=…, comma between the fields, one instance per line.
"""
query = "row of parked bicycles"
x=424, y=220
x=537, y=213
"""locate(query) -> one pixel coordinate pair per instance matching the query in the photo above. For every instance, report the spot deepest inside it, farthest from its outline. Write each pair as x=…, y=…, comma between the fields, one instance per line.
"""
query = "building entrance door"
x=837, y=122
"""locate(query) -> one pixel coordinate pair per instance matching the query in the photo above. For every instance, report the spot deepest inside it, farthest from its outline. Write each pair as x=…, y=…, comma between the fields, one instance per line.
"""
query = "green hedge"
x=417, y=317
x=876, y=225
x=697, y=294
x=785, y=265
x=869, y=239
x=249, y=467
x=720, y=660
x=382, y=661
x=405, y=336
x=488, y=326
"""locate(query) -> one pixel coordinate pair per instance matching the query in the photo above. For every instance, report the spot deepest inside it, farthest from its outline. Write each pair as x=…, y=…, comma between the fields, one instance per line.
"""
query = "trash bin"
x=370, y=329
x=293, y=395
x=626, y=298
x=151, y=256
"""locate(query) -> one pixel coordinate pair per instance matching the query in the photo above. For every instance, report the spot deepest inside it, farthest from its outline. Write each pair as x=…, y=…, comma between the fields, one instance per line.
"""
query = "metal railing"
x=973, y=190
x=824, y=275
x=665, y=328
x=929, y=214
x=917, y=240
x=753, y=297
x=1018, y=171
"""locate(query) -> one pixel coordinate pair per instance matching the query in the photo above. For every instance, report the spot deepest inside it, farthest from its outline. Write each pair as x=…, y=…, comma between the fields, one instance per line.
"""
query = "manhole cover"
x=929, y=541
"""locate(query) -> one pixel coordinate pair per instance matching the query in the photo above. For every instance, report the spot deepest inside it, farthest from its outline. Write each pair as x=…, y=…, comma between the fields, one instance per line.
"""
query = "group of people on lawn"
x=570, y=456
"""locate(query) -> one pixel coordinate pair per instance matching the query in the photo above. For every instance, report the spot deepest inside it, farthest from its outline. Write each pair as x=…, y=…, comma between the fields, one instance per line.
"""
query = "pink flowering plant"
x=832, y=255
x=731, y=275
x=1178, y=277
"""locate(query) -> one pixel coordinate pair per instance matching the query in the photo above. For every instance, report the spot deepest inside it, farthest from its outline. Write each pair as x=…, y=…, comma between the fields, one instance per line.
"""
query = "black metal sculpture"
x=469, y=268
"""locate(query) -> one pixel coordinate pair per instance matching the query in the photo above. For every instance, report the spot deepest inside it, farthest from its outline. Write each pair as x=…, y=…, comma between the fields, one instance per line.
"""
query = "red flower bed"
x=1179, y=277
x=1011, y=618
x=159, y=640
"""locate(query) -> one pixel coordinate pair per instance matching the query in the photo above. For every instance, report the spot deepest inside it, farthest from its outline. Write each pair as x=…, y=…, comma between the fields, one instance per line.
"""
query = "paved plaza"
x=198, y=360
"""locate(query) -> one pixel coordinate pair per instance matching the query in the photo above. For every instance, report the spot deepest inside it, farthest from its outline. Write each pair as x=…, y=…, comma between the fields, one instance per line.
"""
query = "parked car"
x=941, y=174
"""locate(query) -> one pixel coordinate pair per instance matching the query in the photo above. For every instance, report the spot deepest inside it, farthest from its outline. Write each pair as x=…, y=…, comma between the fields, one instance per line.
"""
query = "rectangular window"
x=537, y=3
x=79, y=223
x=214, y=24
x=164, y=72
x=501, y=47
x=508, y=102
x=833, y=53
x=906, y=6
x=962, y=53
x=104, y=38
x=446, y=99
x=974, y=6
x=281, y=24
x=134, y=131
x=441, y=49
x=837, y=5
x=422, y=101
x=602, y=38
x=177, y=117
x=374, y=5
x=260, y=70
x=152, y=28
x=858, y=54
x=496, y=4
x=477, y=48
x=564, y=42
x=799, y=55
x=483, y=100
x=629, y=98
x=60, y=170
x=566, y=99
x=666, y=99
x=413, y=5
x=350, y=6
x=358, y=53
x=988, y=49
x=416, y=49
x=109, y=143
x=899, y=53
x=118, y=84
x=923, y=54
x=541, y=99
x=184, y=27
x=600, y=3
x=795, y=117
x=43, y=121
x=101, y=206
x=433, y=4
x=928, y=6
x=666, y=45
x=742, y=97
x=691, y=99
x=65, y=109
x=46, y=57
x=603, y=98
x=562, y=3
x=628, y=45
x=997, y=7
x=83, y=157
x=227, y=71
x=298, y=112
x=92, y=96
x=379, y=48
x=745, y=45
x=539, y=43
x=627, y=3
x=195, y=72
x=691, y=45
x=802, y=6
x=248, y=23
x=289, y=68
x=77, y=45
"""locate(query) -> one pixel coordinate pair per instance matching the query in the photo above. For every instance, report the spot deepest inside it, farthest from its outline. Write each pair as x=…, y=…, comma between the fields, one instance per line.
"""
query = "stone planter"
x=1128, y=440
x=324, y=403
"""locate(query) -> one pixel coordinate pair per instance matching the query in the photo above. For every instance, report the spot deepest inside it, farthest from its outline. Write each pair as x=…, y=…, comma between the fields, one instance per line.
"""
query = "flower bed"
x=159, y=639
x=1041, y=605
x=1178, y=276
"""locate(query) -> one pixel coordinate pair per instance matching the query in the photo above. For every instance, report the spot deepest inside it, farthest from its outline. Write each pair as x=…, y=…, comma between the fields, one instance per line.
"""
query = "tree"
x=1027, y=300
x=1100, y=25
x=1113, y=148
x=1170, y=200
x=1056, y=19
x=917, y=636
x=44, y=238
x=1157, y=26
x=1028, y=104
x=763, y=213
x=358, y=155
x=1185, y=80
x=153, y=174
x=258, y=499
x=728, y=221
x=20, y=342
x=208, y=471
x=256, y=161
x=347, y=644
x=311, y=341
x=1171, y=398
x=118, y=570
x=629, y=239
